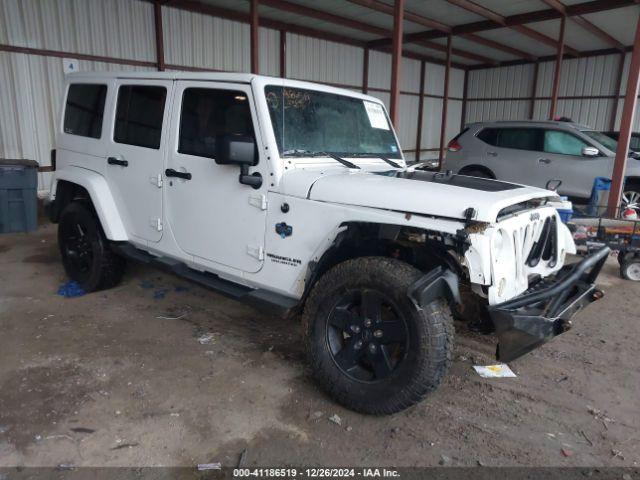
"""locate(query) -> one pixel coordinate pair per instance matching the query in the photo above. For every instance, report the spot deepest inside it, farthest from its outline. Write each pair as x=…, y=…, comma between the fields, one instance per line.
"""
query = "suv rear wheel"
x=85, y=251
x=369, y=346
x=476, y=172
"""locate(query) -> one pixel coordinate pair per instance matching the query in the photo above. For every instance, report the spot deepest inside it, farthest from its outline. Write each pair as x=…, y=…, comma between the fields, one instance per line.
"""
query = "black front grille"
x=546, y=247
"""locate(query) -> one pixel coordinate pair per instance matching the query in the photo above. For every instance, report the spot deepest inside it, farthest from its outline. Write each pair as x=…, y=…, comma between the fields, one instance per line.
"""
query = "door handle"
x=170, y=172
x=544, y=160
x=492, y=154
x=116, y=161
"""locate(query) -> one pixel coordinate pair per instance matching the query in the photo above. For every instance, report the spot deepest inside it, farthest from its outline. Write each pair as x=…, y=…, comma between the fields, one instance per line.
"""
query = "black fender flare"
x=438, y=283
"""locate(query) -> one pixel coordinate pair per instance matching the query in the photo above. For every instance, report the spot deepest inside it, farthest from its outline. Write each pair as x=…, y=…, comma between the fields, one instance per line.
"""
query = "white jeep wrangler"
x=297, y=194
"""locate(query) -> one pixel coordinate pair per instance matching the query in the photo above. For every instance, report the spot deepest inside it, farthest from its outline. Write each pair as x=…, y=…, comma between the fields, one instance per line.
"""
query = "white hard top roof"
x=219, y=77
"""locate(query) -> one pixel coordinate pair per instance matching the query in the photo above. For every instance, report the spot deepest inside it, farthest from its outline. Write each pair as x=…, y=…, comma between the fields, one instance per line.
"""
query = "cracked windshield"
x=312, y=123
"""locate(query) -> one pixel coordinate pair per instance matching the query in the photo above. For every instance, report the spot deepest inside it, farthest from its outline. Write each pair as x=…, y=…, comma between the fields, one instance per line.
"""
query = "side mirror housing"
x=236, y=150
x=239, y=150
x=590, y=152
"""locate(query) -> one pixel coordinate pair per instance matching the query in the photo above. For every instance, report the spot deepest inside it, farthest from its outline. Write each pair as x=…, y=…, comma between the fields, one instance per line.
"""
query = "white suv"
x=297, y=194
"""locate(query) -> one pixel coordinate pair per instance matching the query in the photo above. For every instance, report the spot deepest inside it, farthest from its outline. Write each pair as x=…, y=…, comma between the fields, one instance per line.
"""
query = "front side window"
x=84, y=110
x=208, y=114
x=563, y=143
x=519, y=138
x=308, y=122
x=139, y=115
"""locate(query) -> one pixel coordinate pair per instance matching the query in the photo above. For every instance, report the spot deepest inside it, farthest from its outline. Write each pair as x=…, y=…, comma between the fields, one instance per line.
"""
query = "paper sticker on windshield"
x=376, y=115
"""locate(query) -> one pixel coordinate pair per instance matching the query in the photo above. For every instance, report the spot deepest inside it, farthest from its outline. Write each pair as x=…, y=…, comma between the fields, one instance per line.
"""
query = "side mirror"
x=239, y=150
x=236, y=150
x=590, y=152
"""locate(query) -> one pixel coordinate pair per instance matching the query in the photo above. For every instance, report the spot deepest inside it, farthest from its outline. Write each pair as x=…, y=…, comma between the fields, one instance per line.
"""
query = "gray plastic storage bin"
x=18, y=195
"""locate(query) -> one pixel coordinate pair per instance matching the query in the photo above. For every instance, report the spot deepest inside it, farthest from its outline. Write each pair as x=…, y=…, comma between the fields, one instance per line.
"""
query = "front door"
x=135, y=155
x=212, y=216
x=562, y=159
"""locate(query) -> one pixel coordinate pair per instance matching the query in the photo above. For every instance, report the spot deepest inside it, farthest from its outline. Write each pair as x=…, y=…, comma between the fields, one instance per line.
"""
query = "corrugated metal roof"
x=575, y=36
x=619, y=23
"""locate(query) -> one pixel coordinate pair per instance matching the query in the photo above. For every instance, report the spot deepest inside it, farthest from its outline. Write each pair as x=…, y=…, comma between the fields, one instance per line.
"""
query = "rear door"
x=514, y=155
x=213, y=217
x=135, y=155
x=562, y=159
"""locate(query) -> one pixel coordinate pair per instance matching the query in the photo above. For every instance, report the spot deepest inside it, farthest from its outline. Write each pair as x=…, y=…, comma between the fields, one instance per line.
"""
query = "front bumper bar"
x=545, y=309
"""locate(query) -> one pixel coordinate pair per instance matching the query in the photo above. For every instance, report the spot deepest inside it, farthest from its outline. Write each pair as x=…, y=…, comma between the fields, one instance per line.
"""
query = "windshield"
x=308, y=122
x=602, y=139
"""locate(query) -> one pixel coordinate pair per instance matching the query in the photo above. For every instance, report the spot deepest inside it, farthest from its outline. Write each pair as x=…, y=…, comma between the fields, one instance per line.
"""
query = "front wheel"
x=369, y=346
x=85, y=251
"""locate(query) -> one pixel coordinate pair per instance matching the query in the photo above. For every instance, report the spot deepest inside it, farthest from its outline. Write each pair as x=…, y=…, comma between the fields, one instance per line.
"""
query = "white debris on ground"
x=495, y=371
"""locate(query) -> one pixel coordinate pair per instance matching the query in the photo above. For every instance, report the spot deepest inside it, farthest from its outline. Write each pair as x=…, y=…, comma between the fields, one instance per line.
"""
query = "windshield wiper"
x=310, y=153
x=384, y=159
x=344, y=162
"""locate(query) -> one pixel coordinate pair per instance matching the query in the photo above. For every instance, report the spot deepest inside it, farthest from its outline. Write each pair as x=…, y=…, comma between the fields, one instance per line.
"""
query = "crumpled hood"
x=416, y=191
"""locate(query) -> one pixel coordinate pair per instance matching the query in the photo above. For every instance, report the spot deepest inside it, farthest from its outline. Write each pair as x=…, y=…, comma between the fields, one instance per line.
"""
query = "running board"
x=225, y=287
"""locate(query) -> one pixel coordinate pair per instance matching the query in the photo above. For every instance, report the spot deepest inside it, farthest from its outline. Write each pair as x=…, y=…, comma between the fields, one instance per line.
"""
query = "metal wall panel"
x=486, y=110
x=269, y=51
x=580, y=77
x=431, y=121
x=505, y=82
x=198, y=40
x=114, y=28
x=323, y=61
x=379, y=70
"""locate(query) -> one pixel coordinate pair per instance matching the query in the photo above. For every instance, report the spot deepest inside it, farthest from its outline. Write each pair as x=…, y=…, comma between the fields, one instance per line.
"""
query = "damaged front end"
x=545, y=309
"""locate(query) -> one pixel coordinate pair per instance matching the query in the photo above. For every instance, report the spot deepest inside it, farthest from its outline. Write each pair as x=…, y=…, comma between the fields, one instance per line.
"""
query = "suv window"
x=489, y=135
x=556, y=141
x=139, y=115
x=206, y=114
x=84, y=110
x=518, y=138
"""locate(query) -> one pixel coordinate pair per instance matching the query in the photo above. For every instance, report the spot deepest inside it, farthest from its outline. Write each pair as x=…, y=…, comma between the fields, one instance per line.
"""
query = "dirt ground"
x=159, y=371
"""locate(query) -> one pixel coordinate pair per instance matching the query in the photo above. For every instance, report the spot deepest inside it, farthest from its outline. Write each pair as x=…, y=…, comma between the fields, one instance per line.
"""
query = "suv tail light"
x=454, y=146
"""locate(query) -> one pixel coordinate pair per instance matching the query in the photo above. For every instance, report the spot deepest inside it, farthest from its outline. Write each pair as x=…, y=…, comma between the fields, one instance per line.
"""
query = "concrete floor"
x=159, y=371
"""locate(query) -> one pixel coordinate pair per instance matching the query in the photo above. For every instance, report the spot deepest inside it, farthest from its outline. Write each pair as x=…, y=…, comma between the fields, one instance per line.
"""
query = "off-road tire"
x=105, y=268
x=430, y=339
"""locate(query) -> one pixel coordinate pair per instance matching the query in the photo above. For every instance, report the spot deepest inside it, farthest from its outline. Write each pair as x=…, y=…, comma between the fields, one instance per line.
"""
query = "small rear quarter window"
x=84, y=110
x=488, y=135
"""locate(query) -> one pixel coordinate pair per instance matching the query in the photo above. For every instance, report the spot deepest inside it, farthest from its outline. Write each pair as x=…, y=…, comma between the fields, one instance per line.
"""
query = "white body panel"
x=213, y=223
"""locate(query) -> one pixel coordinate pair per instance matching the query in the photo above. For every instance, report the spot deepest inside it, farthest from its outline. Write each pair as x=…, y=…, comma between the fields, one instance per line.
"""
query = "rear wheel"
x=476, y=172
x=85, y=251
x=369, y=346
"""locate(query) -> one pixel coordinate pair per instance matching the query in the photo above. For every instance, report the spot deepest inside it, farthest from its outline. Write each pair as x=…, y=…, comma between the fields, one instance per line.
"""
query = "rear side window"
x=207, y=114
x=139, y=115
x=84, y=110
x=489, y=135
x=635, y=142
x=518, y=138
x=563, y=143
